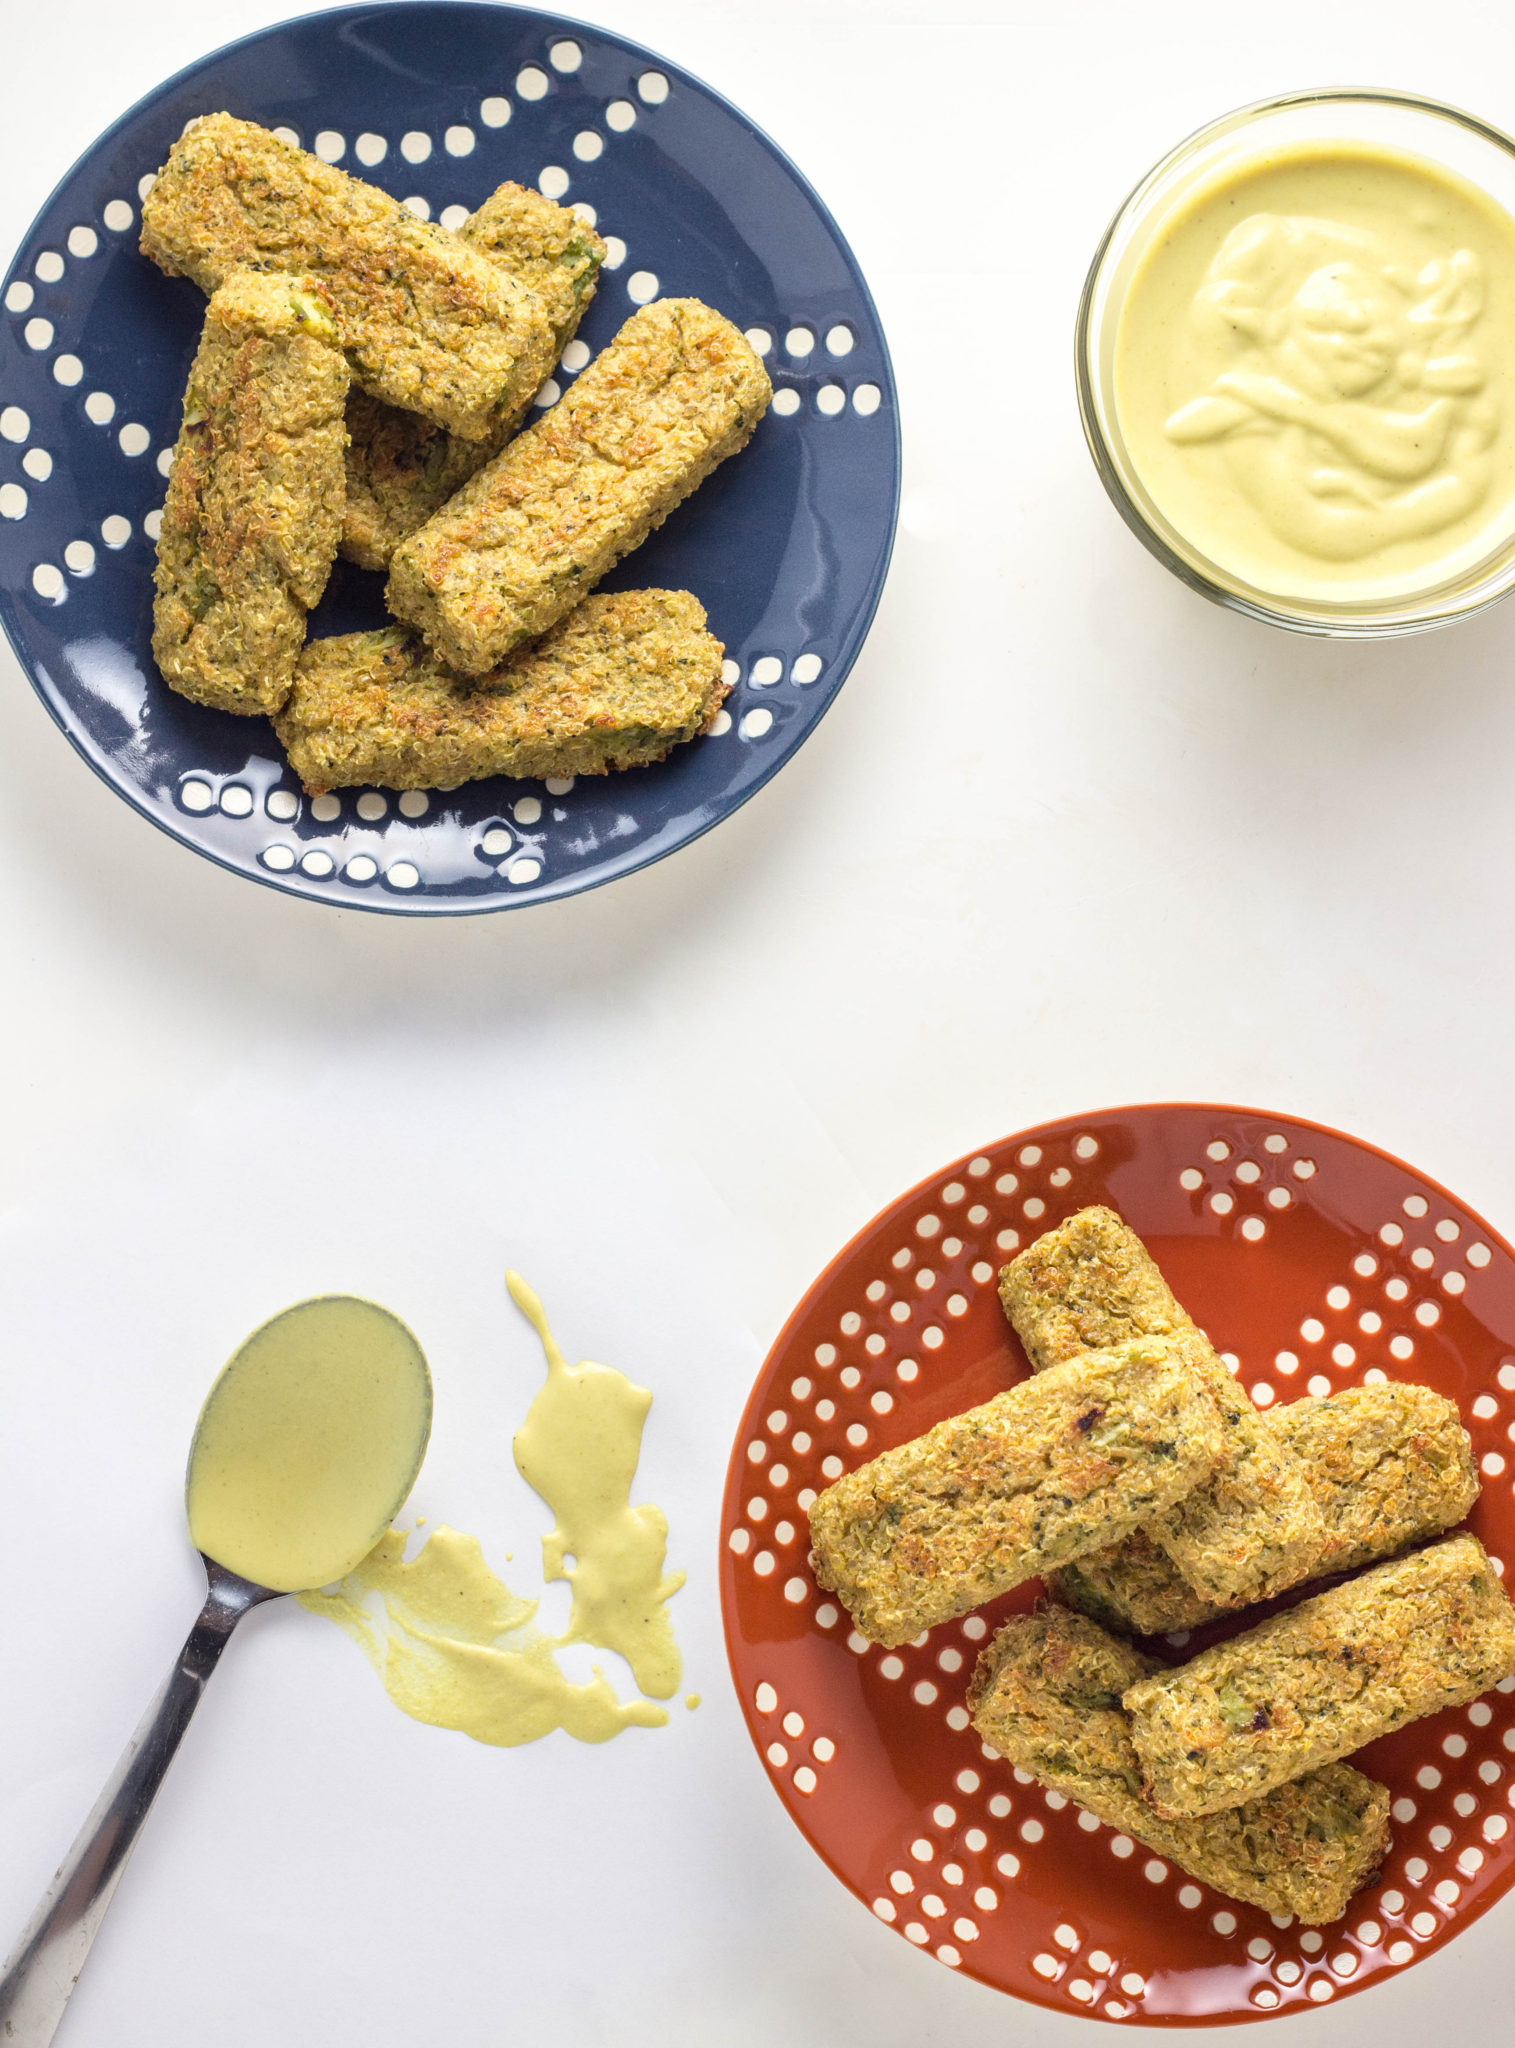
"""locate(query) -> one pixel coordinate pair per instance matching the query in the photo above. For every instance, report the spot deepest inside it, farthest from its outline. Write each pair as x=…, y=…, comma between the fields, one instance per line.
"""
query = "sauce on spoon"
x=308, y=1443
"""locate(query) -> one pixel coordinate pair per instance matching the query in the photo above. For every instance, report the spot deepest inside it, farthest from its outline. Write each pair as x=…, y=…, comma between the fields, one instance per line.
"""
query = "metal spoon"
x=326, y=1376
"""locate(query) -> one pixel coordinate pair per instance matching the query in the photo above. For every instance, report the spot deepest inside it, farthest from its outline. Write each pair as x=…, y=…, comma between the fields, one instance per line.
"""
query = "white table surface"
x=1070, y=837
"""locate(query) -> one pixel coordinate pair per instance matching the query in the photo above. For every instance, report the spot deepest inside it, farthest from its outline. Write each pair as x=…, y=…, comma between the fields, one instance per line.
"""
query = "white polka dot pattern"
x=932, y=1262
x=357, y=847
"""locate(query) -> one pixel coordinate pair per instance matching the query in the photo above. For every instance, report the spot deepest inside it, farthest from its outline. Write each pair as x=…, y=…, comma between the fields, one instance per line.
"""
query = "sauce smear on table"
x=456, y=1647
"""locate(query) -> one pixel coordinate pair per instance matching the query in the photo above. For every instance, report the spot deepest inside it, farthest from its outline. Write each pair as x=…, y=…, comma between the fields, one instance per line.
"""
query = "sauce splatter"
x=456, y=1648
x=578, y=1448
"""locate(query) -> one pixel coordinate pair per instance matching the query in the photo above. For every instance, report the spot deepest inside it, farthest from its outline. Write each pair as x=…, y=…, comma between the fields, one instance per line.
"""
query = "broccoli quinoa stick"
x=1389, y=1465
x=1255, y=1526
x=1088, y=1283
x=676, y=392
x=1056, y=1466
x=1424, y=1632
x=1046, y=1694
x=427, y=322
x=1133, y=1586
x=622, y=681
x=400, y=468
x=254, y=503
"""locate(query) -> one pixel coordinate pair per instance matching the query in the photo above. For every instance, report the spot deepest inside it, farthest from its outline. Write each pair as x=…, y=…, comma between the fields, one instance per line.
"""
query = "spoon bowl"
x=309, y=1443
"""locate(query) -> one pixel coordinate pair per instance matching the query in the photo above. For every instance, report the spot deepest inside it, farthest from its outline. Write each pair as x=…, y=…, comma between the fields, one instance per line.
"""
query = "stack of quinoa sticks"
x=1133, y=1475
x=360, y=384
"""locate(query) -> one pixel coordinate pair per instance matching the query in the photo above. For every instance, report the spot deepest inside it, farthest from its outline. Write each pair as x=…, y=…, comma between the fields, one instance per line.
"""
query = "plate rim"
x=725, y=1564
x=372, y=903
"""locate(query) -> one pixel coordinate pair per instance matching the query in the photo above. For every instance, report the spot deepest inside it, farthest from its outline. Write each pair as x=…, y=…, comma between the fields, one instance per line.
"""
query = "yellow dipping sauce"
x=1312, y=372
x=309, y=1443
x=456, y=1647
x=579, y=1448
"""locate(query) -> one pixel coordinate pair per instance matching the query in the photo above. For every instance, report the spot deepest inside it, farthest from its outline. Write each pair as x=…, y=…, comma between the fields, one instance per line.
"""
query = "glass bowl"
x=1475, y=575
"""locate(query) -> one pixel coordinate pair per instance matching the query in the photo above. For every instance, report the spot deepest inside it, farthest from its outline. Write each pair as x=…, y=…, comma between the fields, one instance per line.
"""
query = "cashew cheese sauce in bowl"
x=1296, y=362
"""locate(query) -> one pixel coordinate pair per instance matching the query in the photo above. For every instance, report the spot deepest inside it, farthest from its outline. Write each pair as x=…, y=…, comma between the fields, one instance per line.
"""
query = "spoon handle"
x=45, y=1966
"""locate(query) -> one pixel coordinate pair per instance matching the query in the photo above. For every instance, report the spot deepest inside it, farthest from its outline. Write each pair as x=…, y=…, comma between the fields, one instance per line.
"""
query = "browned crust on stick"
x=677, y=392
x=1256, y=1526
x=254, y=503
x=1304, y=1688
x=401, y=468
x=1389, y=1465
x=1056, y=1466
x=427, y=322
x=620, y=683
x=1046, y=1693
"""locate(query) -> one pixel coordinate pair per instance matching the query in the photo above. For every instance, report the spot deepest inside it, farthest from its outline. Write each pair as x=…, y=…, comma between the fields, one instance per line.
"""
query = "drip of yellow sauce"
x=308, y=1443
x=579, y=1448
x=691, y=1700
x=456, y=1648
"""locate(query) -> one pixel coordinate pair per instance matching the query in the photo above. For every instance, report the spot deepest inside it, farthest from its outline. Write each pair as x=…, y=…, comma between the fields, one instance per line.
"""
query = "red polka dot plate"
x=1315, y=1262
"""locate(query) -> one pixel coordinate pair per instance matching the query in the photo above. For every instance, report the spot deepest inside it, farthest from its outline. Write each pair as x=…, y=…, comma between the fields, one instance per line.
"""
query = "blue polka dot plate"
x=786, y=547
